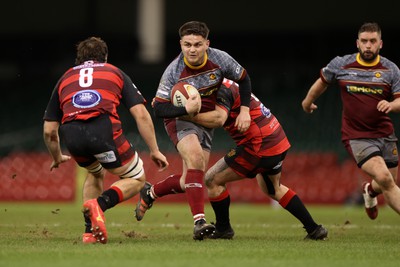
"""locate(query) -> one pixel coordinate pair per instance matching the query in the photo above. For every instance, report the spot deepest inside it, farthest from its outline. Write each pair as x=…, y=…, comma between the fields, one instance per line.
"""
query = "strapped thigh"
x=135, y=169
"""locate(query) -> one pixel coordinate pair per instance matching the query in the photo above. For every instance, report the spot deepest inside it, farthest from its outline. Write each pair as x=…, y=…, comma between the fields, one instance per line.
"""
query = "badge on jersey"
x=86, y=99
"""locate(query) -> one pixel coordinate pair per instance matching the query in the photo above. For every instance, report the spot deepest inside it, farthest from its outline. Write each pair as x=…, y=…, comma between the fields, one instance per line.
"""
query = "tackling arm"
x=243, y=120
x=211, y=119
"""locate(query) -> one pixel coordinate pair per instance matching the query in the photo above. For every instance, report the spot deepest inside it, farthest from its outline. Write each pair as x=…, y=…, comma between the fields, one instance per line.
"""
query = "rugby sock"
x=194, y=187
x=220, y=206
x=110, y=198
x=371, y=191
x=169, y=185
x=292, y=203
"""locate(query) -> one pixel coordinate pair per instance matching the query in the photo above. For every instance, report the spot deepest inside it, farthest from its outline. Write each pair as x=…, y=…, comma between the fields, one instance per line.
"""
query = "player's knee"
x=385, y=180
x=196, y=161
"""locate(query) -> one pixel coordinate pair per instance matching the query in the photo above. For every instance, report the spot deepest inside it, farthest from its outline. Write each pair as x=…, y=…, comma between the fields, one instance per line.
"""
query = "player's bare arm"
x=146, y=129
x=52, y=141
x=316, y=90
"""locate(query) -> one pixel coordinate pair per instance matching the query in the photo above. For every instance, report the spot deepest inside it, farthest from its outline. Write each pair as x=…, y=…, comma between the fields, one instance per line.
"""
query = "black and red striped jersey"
x=207, y=77
x=265, y=135
x=91, y=89
x=362, y=86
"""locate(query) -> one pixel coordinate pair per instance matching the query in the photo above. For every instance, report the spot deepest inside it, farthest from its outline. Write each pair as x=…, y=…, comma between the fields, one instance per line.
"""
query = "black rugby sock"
x=221, y=210
x=298, y=210
x=108, y=199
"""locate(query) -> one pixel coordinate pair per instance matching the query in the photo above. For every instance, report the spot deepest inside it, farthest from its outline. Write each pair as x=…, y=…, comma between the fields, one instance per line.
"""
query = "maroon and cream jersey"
x=91, y=89
x=207, y=78
x=362, y=86
x=265, y=136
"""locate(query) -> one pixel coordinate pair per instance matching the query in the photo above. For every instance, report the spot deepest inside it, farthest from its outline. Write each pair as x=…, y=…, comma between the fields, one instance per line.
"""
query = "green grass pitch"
x=35, y=234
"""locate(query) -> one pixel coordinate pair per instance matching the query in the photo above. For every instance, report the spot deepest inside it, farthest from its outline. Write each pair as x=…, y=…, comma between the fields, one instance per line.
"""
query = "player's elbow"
x=50, y=129
x=219, y=120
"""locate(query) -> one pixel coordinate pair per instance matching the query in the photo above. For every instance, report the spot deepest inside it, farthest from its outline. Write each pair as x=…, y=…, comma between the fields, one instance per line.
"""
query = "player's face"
x=194, y=48
x=369, y=44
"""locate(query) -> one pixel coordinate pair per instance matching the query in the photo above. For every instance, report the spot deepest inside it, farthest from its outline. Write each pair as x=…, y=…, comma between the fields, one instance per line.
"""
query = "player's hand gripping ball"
x=181, y=92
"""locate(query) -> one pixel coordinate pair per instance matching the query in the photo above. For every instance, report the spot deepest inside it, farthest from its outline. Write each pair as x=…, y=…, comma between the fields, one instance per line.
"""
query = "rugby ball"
x=181, y=92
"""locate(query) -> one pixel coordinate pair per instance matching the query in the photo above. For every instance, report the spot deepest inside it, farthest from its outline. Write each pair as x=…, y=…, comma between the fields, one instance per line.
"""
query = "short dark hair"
x=195, y=28
x=93, y=48
x=370, y=27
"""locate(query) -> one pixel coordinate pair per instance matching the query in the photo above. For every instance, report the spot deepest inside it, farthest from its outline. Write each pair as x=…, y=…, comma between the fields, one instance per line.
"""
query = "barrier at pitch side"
x=318, y=178
x=26, y=177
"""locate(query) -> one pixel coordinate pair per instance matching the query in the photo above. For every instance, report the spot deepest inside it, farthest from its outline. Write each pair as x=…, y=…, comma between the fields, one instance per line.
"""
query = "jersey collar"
x=196, y=67
x=363, y=63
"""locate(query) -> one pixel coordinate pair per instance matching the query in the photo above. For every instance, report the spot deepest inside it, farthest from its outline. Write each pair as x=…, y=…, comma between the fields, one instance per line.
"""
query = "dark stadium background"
x=283, y=44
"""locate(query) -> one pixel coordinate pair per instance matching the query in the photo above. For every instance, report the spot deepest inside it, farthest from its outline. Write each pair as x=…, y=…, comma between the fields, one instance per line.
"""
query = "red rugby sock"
x=194, y=187
x=169, y=185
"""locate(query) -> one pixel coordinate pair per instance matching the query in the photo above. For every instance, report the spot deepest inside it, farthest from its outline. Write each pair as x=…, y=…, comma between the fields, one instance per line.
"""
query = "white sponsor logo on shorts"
x=106, y=157
x=278, y=165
